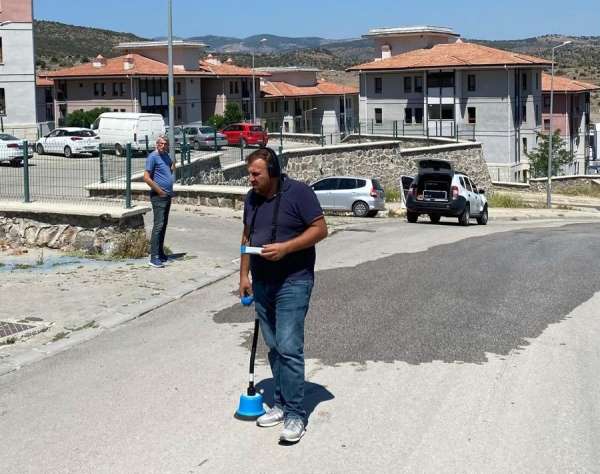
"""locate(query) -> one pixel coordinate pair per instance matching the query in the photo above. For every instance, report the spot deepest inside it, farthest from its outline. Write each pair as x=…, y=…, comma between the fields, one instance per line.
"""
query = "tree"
x=538, y=158
x=217, y=121
x=80, y=118
x=233, y=113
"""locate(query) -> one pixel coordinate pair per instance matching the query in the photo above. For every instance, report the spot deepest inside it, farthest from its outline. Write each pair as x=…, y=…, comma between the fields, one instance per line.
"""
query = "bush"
x=133, y=244
x=84, y=118
x=233, y=114
x=217, y=121
x=392, y=195
x=505, y=200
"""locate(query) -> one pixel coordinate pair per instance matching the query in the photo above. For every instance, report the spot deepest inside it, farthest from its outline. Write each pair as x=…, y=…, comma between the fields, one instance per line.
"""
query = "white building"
x=17, y=69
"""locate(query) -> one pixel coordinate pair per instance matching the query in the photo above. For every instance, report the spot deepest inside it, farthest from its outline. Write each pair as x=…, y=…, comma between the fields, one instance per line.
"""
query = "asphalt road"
x=429, y=349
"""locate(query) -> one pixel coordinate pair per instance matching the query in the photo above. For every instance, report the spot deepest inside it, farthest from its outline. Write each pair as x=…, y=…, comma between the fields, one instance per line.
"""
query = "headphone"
x=273, y=165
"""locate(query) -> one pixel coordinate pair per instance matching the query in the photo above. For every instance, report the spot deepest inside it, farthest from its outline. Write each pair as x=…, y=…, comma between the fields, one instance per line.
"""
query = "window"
x=286, y=107
x=407, y=84
x=418, y=84
x=103, y=89
x=471, y=84
x=230, y=88
x=96, y=89
x=524, y=113
x=326, y=184
x=445, y=112
x=537, y=114
x=546, y=124
x=178, y=88
x=378, y=116
x=179, y=113
x=440, y=79
x=378, y=85
x=265, y=109
x=471, y=115
x=2, y=102
x=537, y=81
x=115, y=88
x=347, y=183
x=546, y=101
x=122, y=88
x=524, y=81
x=419, y=115
x=468, y=184
x=525, y=144
x=236, y=87
x=408, y=115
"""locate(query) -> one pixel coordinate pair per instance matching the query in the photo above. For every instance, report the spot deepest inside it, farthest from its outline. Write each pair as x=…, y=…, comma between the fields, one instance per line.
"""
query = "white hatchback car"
x=365, y=197
x=69, y=141
x=11, y=149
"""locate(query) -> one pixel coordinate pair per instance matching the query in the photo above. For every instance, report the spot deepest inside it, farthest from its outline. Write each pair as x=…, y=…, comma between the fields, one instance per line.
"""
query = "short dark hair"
x=260, y=154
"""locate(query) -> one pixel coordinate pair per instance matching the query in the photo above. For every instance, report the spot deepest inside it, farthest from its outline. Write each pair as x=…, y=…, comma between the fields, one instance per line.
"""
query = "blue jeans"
x=160, y=210
x=281, y=309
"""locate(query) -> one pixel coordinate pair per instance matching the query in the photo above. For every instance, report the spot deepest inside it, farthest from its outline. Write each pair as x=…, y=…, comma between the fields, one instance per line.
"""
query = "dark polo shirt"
x=299, y=207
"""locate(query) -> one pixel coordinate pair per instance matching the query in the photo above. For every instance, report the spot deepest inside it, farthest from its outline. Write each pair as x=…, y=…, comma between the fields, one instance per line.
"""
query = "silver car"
x=363, y=196
x=202, y=136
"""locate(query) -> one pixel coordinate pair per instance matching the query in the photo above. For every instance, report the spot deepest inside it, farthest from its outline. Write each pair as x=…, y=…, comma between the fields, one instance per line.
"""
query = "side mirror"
x=481, y=191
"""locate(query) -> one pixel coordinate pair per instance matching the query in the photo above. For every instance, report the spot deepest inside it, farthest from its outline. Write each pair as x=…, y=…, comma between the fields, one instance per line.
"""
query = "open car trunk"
x=435, y=179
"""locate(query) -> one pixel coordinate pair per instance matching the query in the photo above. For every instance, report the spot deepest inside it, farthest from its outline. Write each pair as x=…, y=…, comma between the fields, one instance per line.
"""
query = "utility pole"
x=549, y=181
x=171, y=85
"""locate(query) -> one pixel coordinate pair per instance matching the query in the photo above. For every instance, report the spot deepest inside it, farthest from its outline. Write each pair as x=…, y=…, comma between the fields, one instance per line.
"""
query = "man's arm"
x=314, y=233
x=245, y=285
x=150, y=182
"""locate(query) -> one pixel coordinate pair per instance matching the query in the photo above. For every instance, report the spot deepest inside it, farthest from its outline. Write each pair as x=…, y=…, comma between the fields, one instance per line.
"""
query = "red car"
x=247, y=133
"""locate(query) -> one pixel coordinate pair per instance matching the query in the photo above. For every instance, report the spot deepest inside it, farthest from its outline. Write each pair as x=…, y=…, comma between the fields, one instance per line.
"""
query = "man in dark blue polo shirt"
x=283, y=216
x=159, y=175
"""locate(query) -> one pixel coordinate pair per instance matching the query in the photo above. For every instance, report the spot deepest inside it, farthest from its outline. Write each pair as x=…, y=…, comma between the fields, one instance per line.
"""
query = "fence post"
x=215, y=138
x=331, y=138
x=128, y=177
x=372, y=126
x=101, y=161
x=359, y=139
x=322, y=136
x=26, y=196
x=241, y=149
x=403, y=128
x=280, y=138
x=147, y=145
x=473, y=132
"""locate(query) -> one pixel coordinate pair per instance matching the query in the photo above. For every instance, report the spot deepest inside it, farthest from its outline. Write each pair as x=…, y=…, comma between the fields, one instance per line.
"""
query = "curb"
x=14, y=363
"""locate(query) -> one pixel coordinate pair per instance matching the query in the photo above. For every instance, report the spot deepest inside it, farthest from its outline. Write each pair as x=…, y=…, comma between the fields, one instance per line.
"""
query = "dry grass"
x=587, y=190
x=132, y=244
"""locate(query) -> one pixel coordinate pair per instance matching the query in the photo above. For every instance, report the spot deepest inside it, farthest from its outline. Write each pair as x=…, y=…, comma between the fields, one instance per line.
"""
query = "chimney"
x=99, y=61
x=128, y=62
x=386, y=51
x=210, y=59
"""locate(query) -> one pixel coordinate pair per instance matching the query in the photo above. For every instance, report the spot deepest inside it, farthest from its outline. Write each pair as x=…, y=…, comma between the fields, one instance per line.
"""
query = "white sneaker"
x=272, y=417
x=293, y=430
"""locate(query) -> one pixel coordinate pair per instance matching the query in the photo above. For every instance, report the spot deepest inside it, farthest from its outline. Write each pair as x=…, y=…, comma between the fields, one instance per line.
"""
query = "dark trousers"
x=160, y=208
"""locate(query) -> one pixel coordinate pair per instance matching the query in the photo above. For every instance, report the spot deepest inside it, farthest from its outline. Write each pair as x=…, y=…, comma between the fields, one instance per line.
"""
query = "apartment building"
x=295, y=100
x=571, y=116
x=428, y=81
x=137, y=81
x=17, y=69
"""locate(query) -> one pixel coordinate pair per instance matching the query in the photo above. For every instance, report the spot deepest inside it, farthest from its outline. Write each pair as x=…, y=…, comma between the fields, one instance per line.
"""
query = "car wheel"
x=434, y=218
x=197, y=146
x=465, y=217
x=360, y=209
x=372, y=213
x=68, y=152
x=39, y=149
x=16, y=162
x=412, y=217
x=118, y=150
x=483, y=218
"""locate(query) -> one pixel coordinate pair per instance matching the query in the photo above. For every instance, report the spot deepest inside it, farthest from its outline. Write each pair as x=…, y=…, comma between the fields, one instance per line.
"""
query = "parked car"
x=363, y=196
x=11, y=149
x=439, y=191
x=121, y=128
x=245, y=133
x=202, y=136
x=68, y=141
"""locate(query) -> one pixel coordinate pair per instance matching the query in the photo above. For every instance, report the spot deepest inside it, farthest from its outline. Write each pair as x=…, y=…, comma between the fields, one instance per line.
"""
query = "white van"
x=121, y=128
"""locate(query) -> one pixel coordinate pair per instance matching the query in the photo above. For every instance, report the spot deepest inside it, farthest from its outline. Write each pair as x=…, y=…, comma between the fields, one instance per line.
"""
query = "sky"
x=478, y=19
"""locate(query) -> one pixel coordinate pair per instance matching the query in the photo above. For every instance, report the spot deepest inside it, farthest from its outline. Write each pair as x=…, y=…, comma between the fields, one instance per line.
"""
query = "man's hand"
x=275, y=252
x=245, y=286
x=161, y=193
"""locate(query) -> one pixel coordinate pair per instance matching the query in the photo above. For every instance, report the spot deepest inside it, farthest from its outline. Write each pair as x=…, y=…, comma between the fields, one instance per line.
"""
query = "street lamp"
x=262, y=41
x=549, y=182
x=171, y=87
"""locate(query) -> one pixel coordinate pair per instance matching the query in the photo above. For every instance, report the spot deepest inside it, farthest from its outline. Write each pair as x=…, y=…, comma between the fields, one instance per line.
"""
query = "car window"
x=190, y=130
x=377, y=185
x=6, y=136
x=468, y=185
x=61, y=133
x=79, y=133
x=462, y=181
x=256, y=129
x=347, y=183
x=207, y=130
x=407, y=181
x=326, y=184
x=361, y=183
x=54, y=133
x=473, y=185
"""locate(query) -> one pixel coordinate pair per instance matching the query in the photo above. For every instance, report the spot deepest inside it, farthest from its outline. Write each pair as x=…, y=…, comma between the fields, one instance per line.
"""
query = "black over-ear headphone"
x=273, y=165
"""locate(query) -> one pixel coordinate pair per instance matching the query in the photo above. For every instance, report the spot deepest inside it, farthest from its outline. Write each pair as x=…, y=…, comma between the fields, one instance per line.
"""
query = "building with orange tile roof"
x=295, y=100
x=427, y=81
x=17, y=69
x=571, y=116
x=136, y=81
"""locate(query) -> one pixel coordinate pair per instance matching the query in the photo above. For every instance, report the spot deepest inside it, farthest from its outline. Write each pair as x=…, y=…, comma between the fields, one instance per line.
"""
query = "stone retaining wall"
x=538, y=185
x=65, y=232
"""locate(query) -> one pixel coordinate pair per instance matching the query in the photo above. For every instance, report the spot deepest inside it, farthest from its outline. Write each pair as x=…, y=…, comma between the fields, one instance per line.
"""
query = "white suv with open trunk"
x=439, y=191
